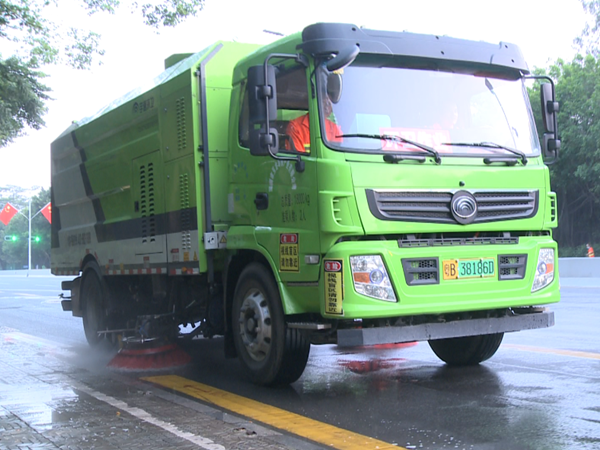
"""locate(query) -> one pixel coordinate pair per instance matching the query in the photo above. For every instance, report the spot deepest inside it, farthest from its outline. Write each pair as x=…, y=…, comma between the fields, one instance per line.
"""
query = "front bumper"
x=340, y=299
x=444, y=330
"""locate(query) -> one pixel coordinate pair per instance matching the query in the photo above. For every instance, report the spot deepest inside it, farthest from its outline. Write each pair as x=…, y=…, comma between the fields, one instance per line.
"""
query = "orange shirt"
x=591, y=252
x=299, y=133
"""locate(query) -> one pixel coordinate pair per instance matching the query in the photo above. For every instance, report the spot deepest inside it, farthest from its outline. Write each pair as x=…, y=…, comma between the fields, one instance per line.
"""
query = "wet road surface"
x=540, y=391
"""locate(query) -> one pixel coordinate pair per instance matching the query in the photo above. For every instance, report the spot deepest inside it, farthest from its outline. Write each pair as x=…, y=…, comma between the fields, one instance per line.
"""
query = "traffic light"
x=11, y=238
x=35, y=239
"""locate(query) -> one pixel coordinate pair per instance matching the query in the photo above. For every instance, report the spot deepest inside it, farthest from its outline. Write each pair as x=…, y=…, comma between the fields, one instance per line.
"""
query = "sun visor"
x=323, y=39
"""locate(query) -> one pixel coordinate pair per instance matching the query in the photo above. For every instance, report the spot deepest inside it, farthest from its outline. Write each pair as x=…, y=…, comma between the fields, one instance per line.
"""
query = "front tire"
x=466, y=351
x=270, y=352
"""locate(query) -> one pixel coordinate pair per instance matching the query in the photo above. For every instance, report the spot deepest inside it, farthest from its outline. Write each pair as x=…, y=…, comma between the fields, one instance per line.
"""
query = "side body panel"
x=128, y=183
x=105, y=178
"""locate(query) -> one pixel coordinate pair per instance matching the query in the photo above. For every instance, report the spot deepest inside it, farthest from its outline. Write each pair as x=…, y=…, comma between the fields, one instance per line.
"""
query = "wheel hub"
x=255, y=325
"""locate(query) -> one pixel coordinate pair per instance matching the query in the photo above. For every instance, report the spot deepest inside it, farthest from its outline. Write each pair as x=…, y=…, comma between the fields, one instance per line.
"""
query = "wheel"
x=93, y=294
x=465, y=351
x=270, y=352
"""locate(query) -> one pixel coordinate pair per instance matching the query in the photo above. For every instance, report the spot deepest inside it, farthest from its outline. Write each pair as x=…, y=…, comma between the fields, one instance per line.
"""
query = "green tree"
x=34, y=41
x=575, y=177
x=22, y=97
x=590, y=35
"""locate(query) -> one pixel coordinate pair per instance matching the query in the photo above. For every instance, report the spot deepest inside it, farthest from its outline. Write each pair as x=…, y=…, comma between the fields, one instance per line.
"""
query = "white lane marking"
x=147, y=417
x=200, y=441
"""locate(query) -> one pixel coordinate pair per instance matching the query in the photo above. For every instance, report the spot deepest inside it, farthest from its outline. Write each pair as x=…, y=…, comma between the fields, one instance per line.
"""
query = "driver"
x=299, y=130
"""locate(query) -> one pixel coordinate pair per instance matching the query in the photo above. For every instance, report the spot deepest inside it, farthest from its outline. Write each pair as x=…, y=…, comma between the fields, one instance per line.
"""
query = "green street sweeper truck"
x=338, y=186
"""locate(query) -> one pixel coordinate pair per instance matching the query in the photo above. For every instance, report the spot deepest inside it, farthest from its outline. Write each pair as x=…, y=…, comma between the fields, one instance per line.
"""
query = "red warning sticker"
x=289, y=255
x=334, y=286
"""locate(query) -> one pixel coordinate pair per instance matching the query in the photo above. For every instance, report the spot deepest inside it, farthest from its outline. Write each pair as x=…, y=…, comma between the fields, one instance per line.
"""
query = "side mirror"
x=262, y=101
x=334, y=87
x=550, y=107
x=262, y=142
x=551, y=146
x=262, y=94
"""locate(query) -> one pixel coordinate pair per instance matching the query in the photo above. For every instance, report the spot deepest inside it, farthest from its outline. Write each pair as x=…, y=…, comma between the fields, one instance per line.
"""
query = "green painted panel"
x=177, y=117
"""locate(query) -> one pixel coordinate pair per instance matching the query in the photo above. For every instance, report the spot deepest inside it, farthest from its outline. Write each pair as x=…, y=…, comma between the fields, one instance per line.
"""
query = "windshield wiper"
x=389, y=137
x=492, y=159
x=395, y=158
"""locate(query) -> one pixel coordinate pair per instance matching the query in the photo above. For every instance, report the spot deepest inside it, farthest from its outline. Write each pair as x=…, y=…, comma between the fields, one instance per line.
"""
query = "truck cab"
x=418, y=206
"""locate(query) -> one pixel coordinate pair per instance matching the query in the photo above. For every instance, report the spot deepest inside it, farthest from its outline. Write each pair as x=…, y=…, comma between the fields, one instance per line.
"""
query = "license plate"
x=453, y=269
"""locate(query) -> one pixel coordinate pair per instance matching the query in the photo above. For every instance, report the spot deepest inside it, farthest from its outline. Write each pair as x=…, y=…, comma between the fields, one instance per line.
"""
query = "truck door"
x=281, y=201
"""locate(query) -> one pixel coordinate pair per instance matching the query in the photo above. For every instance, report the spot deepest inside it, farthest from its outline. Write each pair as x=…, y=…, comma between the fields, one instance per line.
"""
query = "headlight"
x=544, y=270
x=371, y=278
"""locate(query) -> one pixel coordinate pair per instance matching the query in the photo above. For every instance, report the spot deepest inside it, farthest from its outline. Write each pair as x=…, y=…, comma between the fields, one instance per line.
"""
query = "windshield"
x=456, y=114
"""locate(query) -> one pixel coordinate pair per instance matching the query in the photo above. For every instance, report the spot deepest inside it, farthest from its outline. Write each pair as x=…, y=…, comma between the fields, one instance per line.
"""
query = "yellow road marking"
x=313, y=430
x=554, y=351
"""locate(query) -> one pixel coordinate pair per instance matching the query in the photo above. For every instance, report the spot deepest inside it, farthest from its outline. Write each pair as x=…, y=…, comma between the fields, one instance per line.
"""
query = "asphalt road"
x=540, y=390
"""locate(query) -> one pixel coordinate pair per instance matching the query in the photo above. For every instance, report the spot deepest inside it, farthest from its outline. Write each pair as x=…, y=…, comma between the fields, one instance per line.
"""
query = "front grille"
x=421, y=271
x=505, y=205
x=511, y=267
x=435, y=206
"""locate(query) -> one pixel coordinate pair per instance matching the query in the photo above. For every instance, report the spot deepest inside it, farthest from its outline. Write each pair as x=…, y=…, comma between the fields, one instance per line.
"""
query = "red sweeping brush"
x=139, y=355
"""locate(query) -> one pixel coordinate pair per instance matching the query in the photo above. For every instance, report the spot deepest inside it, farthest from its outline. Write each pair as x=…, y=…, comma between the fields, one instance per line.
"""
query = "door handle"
x=261, y=201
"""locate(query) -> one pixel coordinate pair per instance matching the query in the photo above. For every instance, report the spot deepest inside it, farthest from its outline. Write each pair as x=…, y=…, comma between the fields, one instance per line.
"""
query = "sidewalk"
x=47, y=403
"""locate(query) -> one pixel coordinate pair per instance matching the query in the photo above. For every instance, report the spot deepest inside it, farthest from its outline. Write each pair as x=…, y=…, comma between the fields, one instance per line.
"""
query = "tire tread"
x=466, y=351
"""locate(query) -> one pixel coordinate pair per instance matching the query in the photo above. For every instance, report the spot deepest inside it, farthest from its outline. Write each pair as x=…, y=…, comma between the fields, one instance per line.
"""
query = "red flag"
x=47, y=212
x=8, y=213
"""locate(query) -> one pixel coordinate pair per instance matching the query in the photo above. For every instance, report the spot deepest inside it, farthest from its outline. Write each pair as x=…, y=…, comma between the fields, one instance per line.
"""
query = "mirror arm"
x=299, y=166
x=343, y=58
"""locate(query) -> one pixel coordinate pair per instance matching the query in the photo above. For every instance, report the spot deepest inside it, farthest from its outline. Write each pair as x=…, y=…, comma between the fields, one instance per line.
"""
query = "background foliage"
x=575, y=177
x=30, y=40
